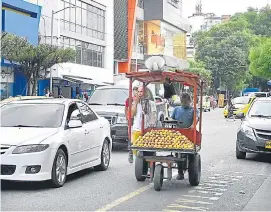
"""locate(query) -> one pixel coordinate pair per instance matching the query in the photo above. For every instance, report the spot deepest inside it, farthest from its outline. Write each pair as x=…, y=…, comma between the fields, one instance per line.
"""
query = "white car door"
x=93, y=132
x=75, y=138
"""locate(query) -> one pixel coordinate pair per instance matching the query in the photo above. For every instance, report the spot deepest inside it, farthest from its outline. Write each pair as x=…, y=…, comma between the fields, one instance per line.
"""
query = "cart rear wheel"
x=194, y=169
x=141, y=169
x=158, y=177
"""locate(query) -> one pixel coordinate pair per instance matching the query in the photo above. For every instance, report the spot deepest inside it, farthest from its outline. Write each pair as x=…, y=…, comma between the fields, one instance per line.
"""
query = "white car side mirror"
x=75, y=115
x=75, y=124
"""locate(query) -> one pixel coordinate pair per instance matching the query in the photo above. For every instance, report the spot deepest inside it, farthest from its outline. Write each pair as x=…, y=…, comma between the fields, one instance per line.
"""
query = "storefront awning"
x=83, y=80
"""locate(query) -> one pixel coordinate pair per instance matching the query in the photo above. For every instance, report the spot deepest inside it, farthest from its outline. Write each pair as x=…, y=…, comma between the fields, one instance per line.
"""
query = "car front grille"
x=263, y=134
x=4, y=148
x=8, y=169
x=112, y=119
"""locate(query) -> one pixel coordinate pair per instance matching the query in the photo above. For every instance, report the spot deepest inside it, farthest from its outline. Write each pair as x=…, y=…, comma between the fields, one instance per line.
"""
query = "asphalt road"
x=227, y=183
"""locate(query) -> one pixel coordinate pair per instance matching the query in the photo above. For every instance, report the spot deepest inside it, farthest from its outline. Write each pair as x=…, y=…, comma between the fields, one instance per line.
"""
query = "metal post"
x=51, y=69
x=7, y=84
x=136, y=62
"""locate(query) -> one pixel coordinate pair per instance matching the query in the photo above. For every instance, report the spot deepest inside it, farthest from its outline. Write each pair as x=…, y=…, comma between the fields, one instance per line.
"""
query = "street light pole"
x=51, y=69
x=52, y=29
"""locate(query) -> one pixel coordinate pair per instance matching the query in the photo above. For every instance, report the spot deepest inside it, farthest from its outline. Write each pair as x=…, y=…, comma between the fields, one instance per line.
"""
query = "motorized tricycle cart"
x=148, y=162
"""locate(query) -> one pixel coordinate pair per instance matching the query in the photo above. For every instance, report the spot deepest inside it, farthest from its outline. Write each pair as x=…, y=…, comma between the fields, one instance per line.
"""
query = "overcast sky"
x=222, y=7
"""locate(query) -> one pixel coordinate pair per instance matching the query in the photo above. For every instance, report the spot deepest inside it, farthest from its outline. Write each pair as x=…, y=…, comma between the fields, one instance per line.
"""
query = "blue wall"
x=19, y=24
x=24, y=25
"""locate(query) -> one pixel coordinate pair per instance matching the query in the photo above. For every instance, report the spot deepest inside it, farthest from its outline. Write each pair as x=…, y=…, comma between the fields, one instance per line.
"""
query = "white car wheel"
x=105, y=157
x=59, y=169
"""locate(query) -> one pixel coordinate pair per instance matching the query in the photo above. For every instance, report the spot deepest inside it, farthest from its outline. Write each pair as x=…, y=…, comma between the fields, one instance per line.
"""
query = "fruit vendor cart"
x=177, y=145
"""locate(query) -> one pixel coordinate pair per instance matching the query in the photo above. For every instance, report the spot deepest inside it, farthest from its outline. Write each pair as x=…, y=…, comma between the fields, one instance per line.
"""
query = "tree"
x=260, y=59
x=199, y=68
x=33, y=61
x=259, y=21
x=224, y=49
x=11, y=45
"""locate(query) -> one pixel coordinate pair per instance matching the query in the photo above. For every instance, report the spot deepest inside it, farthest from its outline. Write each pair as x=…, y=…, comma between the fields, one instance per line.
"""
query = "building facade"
x=22, y=19
x=87, y=27
x=144, y=28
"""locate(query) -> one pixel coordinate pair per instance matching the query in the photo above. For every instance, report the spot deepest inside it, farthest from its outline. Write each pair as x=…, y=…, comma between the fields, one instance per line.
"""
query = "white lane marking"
x=193, y=201
x=188, y=207
x=201, y=197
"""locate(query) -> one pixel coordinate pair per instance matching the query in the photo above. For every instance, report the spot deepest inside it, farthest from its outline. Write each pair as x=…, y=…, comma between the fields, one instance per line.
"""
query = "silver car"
x=254, y=134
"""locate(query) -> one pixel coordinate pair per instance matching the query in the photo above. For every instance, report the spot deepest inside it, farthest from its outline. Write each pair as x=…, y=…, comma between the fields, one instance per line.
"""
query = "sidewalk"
x=261, y=199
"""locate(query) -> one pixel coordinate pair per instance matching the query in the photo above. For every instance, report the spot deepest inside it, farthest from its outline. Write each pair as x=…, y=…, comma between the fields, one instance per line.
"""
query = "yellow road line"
x=125, y=198
x=129, y=196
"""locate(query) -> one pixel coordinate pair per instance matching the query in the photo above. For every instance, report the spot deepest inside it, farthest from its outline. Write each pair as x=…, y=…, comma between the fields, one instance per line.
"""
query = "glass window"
x=84, y=17
x=72, y=42
x=32, y=115
x=86, y=53
x=78, y=3
x=78, y=55
x=95, y=58
x=109, y=96
x=67, y=16
x=78, y=16
x=84, y=30
x=84, y=5
x=72, y=27
x=72, y=15
x=87, y=114
x=261, y=109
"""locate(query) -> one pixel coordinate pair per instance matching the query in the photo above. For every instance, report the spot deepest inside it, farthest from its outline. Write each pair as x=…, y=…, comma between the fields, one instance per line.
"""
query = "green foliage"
x=199, y=68
x=224, y=49
x=260, y=59
x=33, y=61
x=228, y=48
x=259, y=20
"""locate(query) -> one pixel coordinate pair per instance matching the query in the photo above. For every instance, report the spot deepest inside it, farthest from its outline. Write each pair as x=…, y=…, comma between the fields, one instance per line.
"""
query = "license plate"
x=168, y=126
x=268, y=145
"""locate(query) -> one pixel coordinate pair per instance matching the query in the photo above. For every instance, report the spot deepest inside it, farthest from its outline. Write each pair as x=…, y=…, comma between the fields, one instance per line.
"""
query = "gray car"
x=254, y=135
x=109, y=102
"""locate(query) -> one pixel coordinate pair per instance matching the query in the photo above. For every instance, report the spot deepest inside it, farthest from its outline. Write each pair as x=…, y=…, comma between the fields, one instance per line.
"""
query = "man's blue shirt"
x=184, y=115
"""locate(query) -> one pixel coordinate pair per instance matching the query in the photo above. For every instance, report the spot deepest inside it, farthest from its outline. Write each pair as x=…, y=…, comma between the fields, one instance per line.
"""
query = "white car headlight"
x=121, y=120
x=30, y=148
x=248, y=131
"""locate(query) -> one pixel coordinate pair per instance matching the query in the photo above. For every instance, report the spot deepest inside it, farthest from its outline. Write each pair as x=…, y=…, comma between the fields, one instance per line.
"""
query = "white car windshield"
x=261, y=109
x=241, y=100
x=113, y=96
x=32, y=115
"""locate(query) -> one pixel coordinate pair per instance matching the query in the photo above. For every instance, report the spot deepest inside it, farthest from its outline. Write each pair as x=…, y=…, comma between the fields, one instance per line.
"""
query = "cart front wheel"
x=194, y=169
x=158, y=177
x=141, y=169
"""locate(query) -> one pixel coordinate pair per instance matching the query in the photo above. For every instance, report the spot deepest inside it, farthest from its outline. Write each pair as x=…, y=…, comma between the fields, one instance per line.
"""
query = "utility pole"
x=52, y=34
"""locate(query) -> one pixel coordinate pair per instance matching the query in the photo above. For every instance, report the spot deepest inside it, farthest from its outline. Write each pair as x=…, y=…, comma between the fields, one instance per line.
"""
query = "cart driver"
x=137, y=112
x=185, y=115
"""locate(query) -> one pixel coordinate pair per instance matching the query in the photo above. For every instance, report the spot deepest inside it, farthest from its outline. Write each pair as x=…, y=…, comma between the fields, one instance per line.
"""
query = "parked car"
x=254, y=135
x=240, y=105
x=259, y=94
x=48, y=139
x=17, y=98
x=109, y=102
x=206, y=103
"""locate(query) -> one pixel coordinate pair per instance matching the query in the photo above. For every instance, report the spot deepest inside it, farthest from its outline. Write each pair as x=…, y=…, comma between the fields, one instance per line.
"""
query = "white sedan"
x=48, y=139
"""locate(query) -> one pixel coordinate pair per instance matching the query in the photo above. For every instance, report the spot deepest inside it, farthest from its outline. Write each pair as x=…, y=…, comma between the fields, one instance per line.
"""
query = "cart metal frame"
x=146, y=158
